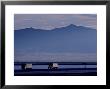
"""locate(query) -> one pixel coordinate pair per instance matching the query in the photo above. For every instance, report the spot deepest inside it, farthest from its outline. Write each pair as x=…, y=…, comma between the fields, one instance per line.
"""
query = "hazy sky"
x=51, y=21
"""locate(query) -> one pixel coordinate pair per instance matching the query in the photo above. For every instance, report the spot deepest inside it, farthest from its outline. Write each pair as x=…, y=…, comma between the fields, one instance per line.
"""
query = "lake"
x=21, y=56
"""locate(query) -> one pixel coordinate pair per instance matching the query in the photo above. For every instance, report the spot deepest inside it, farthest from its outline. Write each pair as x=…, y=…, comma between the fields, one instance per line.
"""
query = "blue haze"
x=70, y=43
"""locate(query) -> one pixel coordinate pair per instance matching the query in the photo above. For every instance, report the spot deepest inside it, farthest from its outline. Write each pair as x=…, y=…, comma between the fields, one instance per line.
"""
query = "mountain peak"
x=29, y=28
x=71, y=25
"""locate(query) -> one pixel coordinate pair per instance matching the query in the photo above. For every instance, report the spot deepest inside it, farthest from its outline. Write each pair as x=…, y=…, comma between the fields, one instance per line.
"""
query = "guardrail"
x=60, y=71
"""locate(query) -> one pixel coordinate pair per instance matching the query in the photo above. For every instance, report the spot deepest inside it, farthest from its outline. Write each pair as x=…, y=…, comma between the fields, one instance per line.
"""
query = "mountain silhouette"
x=71, y=38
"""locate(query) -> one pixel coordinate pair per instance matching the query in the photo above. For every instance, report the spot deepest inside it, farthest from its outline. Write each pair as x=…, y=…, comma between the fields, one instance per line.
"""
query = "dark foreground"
x=62, y=72
x=84, y=71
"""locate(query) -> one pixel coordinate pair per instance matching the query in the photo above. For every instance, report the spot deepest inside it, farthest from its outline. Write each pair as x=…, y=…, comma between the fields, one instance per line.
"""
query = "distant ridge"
x=63, y=27
x=72, y=38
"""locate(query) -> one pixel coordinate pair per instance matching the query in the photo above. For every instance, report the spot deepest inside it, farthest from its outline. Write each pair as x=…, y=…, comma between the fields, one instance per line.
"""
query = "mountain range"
x=71, y=38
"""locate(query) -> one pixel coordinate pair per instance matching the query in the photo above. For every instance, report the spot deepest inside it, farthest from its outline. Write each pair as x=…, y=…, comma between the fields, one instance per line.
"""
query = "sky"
x=51, y=21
